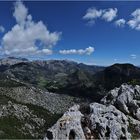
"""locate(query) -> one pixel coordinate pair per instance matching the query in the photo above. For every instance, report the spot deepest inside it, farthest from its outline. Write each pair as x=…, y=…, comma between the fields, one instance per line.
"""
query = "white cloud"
x=107, y=14
x=133, y=56
x=20, y=13
x=28, y=37
x=120, y=22
x=92, y=13
x=86, y=51
x=2, y=29
x=134, y=23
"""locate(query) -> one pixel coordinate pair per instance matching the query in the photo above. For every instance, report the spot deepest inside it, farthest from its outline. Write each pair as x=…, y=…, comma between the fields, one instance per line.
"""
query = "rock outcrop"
x=68, y=126
x=102, y=122
x=109, y=122
x=116, y=117
x=126, y=98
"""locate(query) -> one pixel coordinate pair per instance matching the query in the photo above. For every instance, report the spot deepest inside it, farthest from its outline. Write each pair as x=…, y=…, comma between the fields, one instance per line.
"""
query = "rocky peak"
x=116, y=117
x=102, y=122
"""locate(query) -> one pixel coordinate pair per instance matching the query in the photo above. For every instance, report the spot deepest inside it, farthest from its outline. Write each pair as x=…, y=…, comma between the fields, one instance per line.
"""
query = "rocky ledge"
x=116, y=117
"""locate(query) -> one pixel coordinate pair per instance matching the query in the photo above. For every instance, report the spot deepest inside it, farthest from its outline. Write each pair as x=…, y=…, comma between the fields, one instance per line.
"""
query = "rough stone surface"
x=68, y=126
x=104, y=122
x=126, y=98
x=116, y=117
x=109, y=122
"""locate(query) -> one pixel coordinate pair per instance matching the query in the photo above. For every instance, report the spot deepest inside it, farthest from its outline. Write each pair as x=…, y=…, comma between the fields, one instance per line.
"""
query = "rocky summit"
x=113, y=118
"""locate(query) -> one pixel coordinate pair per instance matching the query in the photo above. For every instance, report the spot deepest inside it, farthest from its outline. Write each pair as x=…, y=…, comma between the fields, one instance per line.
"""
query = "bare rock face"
x=102, y=122
x=126, y=98
x=109, y=122
x=117, y=117
x=68, y=126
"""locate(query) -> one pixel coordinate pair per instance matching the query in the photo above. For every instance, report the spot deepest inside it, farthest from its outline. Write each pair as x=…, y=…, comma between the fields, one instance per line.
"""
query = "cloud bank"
x=28, y=37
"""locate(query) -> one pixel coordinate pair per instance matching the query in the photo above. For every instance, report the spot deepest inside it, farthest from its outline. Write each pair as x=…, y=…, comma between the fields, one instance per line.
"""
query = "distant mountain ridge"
x=69, y=77
x=117, y=74
x=12, y=60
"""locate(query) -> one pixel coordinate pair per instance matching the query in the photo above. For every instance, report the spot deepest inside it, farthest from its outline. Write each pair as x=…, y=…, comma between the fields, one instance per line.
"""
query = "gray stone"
x=125, y=98
x=68, y=126
x=109, y=122
x=117, y=117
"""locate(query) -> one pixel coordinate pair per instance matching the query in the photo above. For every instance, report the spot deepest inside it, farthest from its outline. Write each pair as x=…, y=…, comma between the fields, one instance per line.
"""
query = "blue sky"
x=109, y=42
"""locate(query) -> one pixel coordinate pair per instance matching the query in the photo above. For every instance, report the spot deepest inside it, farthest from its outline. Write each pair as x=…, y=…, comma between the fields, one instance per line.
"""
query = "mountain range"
x=68, y=77
x=35, y=94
